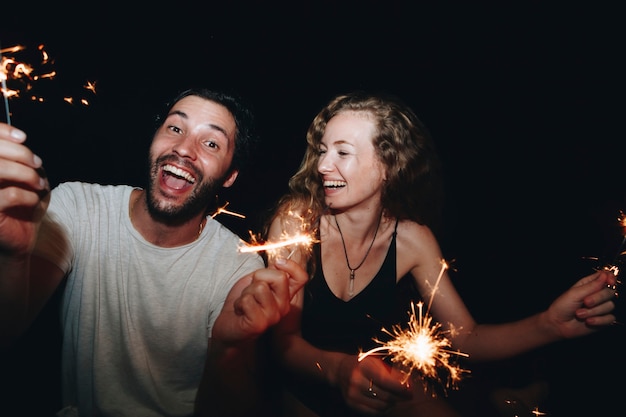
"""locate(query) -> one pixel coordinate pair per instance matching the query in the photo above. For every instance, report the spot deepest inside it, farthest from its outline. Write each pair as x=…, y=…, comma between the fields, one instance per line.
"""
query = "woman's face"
x=350, y=170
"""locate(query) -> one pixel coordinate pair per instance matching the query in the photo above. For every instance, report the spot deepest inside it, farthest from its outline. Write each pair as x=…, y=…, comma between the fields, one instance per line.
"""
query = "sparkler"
x=223, y=210
x=5, y=90
x=24, y=73
x=297, y=234
x=423, y=347
x=621, y=219
x=613, y=265
x=17, y=70
x=300, y=239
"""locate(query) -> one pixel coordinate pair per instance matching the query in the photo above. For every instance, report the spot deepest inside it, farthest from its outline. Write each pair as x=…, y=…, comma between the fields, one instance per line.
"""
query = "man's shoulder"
x=221, y=232
x=78, y=185
x=82, y=196
x=86, y=189
x=227, y=240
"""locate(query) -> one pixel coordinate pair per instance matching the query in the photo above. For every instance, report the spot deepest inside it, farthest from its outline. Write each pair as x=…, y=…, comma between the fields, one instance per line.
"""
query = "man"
x=160, y=311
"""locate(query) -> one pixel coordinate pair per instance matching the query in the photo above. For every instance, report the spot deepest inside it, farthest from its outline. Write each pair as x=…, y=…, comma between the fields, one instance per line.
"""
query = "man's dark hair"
x=245, y=134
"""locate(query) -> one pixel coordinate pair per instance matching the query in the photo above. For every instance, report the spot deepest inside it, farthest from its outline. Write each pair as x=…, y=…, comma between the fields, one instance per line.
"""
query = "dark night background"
x=524, y=101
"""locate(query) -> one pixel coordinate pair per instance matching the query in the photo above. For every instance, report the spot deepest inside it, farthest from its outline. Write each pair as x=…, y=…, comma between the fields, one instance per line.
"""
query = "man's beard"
x=198, y=202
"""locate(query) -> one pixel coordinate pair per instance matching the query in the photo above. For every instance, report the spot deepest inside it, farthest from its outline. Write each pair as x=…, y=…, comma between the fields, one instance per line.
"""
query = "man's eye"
x=174, y=129
x=211, y=144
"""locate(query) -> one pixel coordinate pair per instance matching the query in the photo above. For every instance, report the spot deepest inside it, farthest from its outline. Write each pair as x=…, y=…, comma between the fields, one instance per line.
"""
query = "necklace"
x=345, y=252
x=132, y=206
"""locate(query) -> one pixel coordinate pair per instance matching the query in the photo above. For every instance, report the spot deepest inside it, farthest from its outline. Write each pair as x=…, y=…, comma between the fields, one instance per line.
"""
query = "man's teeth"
x=334, y=184
x=179, y=172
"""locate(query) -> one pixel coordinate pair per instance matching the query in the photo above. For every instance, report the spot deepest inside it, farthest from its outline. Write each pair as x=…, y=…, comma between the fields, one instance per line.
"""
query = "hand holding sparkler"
x=256, y=302
x=586, y=307
x=24, y=191
x=423, y=347
x=370, y=386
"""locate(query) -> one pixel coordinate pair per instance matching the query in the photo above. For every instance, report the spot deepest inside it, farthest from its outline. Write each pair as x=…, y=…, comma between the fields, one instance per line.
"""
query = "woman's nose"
x=323, y=164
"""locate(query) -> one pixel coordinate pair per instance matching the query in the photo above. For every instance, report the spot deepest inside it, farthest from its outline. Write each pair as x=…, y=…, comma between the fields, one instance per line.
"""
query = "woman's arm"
x=579, y=311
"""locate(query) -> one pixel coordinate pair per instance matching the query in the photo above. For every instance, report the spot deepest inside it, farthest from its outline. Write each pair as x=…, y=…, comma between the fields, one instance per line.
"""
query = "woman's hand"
x=371, y=386
x=587, y=306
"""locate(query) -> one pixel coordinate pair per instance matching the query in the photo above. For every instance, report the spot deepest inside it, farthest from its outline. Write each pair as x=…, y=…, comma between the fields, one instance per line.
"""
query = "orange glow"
x=297, y=235
x=423, y=347
x=18, y=77
x=222, y=209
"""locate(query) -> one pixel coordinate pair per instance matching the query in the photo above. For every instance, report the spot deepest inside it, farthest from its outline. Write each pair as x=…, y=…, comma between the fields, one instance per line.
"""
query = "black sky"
x=524, y=100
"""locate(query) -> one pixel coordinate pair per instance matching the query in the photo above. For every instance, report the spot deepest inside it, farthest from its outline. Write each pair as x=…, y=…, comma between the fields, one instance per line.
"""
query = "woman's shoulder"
x=412, y=236
x=416, y=247
x=414, y=229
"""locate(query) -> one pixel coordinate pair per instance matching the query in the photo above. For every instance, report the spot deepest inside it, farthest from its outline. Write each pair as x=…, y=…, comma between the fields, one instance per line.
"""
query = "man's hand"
x=258, y=301
x=24, y=192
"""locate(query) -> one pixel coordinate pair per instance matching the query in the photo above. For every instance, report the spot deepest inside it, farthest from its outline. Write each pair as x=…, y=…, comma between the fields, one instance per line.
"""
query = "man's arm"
x=24, y=199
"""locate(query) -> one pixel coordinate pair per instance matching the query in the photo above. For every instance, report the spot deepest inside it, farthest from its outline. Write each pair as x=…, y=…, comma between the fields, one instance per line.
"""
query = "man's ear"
x=230, y=180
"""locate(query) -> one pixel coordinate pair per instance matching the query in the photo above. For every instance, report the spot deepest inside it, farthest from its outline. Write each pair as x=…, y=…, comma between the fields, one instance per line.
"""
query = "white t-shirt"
x=136, y=318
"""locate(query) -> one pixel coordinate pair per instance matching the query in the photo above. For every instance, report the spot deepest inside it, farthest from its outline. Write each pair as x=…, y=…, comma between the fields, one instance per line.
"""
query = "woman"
x=368, y=189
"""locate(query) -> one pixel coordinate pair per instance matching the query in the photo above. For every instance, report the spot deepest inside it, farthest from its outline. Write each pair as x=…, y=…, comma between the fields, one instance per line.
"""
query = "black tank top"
x=332, y=324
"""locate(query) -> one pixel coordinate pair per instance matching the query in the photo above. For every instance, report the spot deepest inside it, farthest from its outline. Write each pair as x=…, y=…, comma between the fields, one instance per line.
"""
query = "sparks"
x=23, y=72
x=22, y=76
x=297, y=234
x=3, y=82
x=91, y=86
x=302, y=239
x=614, y=265
x=621, y=219
x=423, y=347
x=223, y=210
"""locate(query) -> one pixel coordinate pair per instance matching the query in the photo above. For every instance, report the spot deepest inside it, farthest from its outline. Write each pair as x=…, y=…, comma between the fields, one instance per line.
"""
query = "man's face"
x=190, y=156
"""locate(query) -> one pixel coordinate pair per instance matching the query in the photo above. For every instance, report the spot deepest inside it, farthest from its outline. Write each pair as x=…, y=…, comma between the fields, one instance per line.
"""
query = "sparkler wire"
x=4, y=93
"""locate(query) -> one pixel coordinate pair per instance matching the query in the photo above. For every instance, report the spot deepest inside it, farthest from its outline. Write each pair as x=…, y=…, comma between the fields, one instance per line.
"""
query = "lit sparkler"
x=23, y=75
x=297, y=234
x=423, y=347
x=614, y=264
x=3, y=82
x=620, y=251
x=301, y=239
x=17, y=70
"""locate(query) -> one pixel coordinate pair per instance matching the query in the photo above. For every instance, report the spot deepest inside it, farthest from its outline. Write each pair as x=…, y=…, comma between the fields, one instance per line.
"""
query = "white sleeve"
x=53, y=245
